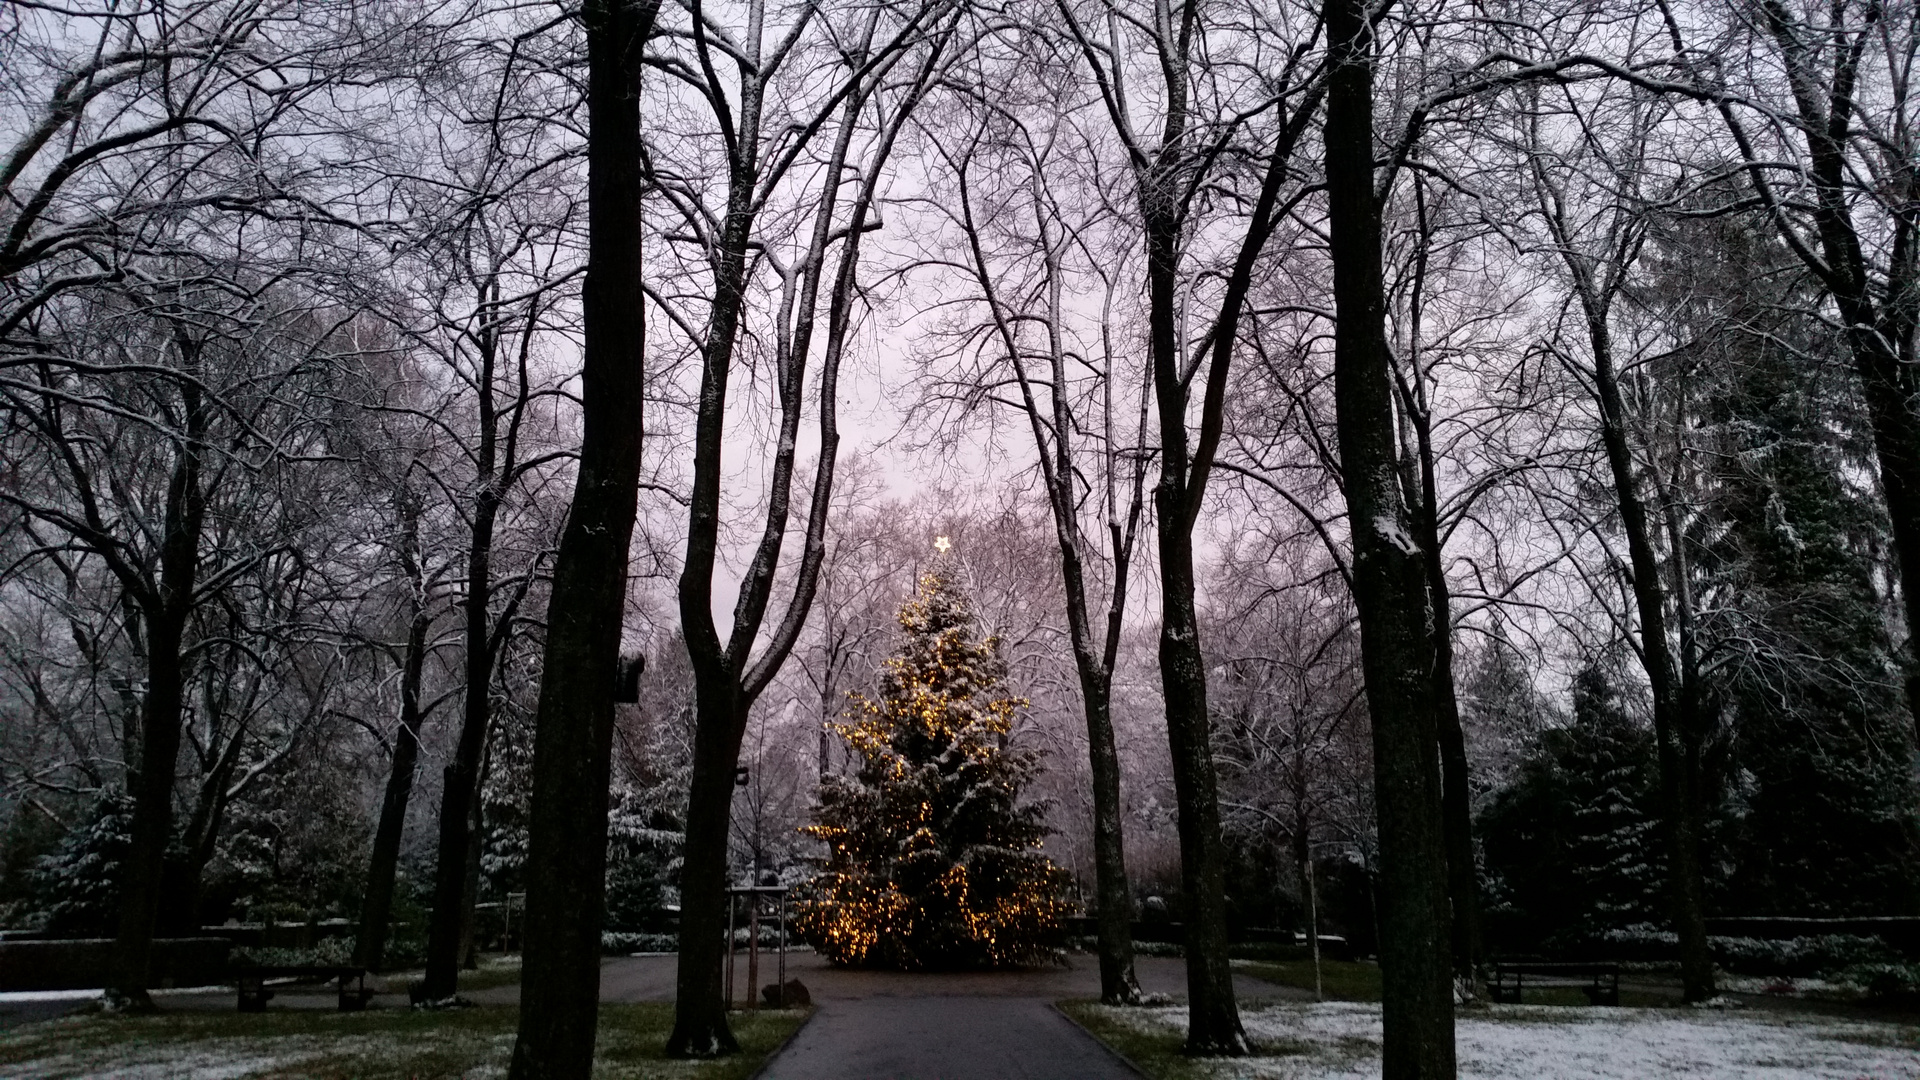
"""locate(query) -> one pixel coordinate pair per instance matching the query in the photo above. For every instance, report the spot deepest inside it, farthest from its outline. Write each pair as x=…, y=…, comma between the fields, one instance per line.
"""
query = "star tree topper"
x=942, y=543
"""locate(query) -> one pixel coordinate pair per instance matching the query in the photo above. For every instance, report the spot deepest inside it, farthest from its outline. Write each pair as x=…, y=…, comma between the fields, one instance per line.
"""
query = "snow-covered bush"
x=1824, y=955
x=77, y=887
x=1884, y=980
x=617, y=943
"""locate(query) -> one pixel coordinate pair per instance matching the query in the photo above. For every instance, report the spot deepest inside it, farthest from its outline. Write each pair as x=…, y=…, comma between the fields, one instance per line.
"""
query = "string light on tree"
x=932, y=861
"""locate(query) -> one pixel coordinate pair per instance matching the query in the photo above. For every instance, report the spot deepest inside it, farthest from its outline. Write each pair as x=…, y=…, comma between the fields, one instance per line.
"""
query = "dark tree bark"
x=376, y=910
x=165, y=606
x=1052, y=427
x=1213, y=1015
x=467, y=949
x=186, y=861
x=1166, y=178
x=573, y=740
x=461, y=789
x=1456, y=793
x=1679, y=720
x=497, y=468
x=726, y=682
x=1390, y=583
x=1114, y=913
x=142, y=872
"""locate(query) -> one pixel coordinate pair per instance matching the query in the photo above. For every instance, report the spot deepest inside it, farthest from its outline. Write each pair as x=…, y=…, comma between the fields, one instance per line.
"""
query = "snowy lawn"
x=1341, y=1041
x=380, y=1043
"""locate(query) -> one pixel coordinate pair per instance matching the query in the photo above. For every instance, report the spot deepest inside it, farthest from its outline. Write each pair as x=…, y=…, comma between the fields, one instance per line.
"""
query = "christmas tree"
x=932, y=861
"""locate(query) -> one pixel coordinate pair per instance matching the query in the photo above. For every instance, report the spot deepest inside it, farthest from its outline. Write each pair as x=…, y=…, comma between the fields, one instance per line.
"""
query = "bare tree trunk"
x=699, y=1015
x=376, y=910
x=185, y=863
x=166, y=608
x=462, y=775
x=1676, y=699
x=141, y=873
x=726, y=682
x=700, y=1020
x=573, y=740
x=1052, y=427
x=1113, y=893
x=1423, y=492
x=1390, y=584
x=470, y=894
x=1164, y=179
x=1213, y=1016
x=1456, y=795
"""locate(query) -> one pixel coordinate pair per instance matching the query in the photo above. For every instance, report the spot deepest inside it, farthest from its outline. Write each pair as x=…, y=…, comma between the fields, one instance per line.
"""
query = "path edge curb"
x=1102, y=1043
x=767, y=1062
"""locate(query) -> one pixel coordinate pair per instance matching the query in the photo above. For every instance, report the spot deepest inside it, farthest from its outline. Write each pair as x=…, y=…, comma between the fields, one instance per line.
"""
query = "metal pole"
x=730, y=913
x=783, y=948
x=1313, y=929
x=753, y=951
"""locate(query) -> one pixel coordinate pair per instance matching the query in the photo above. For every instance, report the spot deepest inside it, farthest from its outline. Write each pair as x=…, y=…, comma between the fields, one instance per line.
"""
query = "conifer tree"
x=932, y=859
x=1805, y=665
x=1571, y=844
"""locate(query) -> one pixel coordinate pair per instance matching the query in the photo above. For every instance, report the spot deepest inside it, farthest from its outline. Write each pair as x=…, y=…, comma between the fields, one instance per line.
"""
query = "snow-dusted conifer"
x=932, y=860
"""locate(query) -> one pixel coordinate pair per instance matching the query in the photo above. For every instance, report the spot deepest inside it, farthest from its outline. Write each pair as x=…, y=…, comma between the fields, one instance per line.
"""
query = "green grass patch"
x=380, y=1044
x=1340, y=980
x=494, y=970
x=1152, y=1047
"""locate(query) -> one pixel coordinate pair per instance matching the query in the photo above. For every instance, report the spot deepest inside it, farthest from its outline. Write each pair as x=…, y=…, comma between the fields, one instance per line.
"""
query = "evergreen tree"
x=1820, y=733
x=1821, y=745
x=78, y=884
x=932, y=860
x=1572, y=844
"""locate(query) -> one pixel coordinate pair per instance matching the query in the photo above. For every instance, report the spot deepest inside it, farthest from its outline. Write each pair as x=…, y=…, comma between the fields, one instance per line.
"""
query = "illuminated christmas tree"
x=932, y=860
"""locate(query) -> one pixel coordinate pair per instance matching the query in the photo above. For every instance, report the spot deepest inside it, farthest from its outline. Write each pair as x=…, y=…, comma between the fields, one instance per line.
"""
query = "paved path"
x=876, y=1025
x=943, y=1038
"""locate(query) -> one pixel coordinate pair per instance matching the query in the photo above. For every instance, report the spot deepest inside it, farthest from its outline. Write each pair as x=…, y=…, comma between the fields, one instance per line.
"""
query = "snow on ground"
x=161, y=1064
x=23, y=996
x=235, y=1057
x=1792, y=987
x=1341, y=1041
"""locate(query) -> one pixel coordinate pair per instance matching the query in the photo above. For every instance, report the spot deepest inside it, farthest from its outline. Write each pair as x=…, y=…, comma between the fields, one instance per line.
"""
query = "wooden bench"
x=1600, y=982
x=252, y=982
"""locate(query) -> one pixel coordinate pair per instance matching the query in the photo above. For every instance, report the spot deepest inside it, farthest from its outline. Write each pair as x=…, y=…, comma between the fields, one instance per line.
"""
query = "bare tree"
x=573, y=739
x=1170, y=170
x=1842, y=201
x=848, y=68
x=1390, y=579
x=1594, y=201
x=1022, y=264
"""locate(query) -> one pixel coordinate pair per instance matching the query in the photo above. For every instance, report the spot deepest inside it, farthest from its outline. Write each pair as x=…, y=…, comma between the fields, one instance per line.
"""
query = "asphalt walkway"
x=878, y=1025
x=943, y=1038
